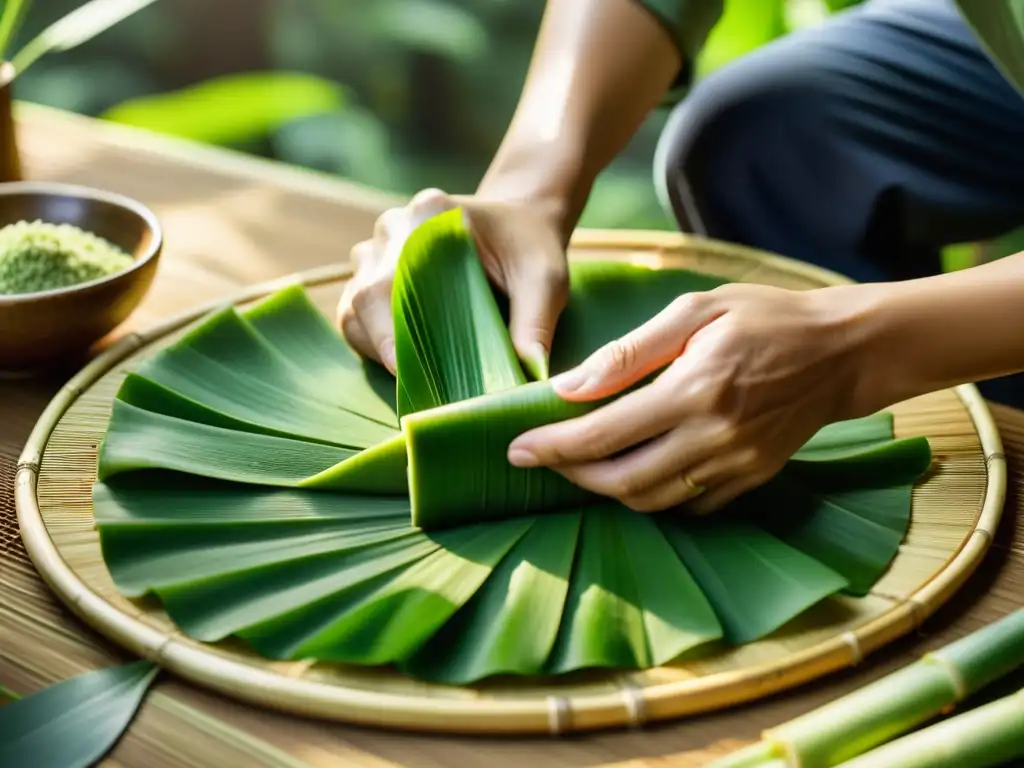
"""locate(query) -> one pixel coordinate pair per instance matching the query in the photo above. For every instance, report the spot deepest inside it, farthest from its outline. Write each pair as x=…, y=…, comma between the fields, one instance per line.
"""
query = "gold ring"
x=695, y=490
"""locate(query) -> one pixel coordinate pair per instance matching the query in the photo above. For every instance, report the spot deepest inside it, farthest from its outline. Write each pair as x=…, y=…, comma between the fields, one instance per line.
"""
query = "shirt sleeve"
x=688, y=22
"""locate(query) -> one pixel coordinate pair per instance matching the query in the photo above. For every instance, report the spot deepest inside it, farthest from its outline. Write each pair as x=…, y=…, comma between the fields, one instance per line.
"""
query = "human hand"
x=521, y=249
x=752, y=373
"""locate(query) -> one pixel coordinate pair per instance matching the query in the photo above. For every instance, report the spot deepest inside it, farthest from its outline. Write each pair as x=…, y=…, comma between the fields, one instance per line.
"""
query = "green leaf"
x=242, y=473
x=458, y=470
x=755, y=582
x=139, y=439
x=430, y=26
x=450, y=338
x=227, y=367
x=232, y=109
x=79, y=26
x=745, y=26
x=387, y=623
x=290, y=322
x=632, y=603
x=510, y=625
x=11, y=18
x=73, y=724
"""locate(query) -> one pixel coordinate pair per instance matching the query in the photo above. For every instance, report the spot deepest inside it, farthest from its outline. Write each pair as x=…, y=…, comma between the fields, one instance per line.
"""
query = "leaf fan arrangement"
x=266, y=483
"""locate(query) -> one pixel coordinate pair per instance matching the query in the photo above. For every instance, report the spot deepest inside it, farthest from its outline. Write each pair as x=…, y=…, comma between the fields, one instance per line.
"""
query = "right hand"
x=522, y=249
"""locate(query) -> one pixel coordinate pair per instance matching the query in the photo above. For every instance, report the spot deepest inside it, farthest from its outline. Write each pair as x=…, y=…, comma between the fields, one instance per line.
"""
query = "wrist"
x=549, y=176
x=885, y=368
x=863, y=325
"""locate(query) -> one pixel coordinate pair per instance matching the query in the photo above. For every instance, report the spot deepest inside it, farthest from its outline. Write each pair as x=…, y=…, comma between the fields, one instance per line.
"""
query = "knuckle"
x=361, y=253
x=620, y=357
x=370, y=294
x=386, y=223
x=639, y=503
x=430, y=198
x=625, y=486
x=348, y=323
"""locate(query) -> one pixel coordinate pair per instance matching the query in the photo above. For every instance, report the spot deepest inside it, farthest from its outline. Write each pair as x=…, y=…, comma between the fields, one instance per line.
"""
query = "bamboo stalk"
x=987, y=736
x=895, y=704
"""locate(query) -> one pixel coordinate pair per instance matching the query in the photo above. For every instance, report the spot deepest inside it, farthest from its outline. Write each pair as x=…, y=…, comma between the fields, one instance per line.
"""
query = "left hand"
x=752, y=373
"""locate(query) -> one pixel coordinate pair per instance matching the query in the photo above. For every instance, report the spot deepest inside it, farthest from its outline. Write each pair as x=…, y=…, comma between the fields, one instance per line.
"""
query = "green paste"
x=36, y=256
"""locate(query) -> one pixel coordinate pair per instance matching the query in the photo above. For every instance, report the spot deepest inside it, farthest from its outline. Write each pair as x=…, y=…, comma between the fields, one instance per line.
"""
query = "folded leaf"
x=458, y=469
x=290, y=322
x=511, y=623
x=74, y=723
x=450, y=337
x=137, y=439
x=632, y=603
x=755, y=582
x=252, y=478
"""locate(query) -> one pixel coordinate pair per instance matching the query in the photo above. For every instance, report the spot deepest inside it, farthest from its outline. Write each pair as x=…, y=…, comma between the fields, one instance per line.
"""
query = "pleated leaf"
x=632, y=603
x=458, y=469
x=138, y=439
x=290, y=322
x=227, y=367
x=253, y=479
x=451, y=342
x=386, y=620
x=755, y=582
x=74, y=723
x=510, y=625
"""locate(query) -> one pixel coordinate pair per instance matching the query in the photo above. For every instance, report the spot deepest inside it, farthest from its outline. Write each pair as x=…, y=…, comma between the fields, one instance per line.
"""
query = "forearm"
x=925, y=335
x=599, y=67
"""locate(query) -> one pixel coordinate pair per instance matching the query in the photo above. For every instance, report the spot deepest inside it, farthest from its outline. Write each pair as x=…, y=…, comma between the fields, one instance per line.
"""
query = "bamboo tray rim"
x=554, y=714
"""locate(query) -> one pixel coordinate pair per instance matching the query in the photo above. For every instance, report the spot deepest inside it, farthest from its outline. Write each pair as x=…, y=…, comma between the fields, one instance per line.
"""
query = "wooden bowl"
x=50, y=327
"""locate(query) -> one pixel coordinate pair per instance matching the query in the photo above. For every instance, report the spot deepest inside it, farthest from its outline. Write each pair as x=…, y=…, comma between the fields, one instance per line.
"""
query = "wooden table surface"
x=233, y=221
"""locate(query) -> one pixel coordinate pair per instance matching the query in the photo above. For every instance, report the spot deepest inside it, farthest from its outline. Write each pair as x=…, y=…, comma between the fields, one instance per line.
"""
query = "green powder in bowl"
x=36, y=256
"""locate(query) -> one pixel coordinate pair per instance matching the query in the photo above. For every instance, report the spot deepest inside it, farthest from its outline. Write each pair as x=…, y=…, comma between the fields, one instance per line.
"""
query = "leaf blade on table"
x=74, y=723
x=509, y=626
x=290, y=322
x=393, y=621
x=224, y=364
x=235, y=603
x=621, y=617
x=754, y=582
x=138, y=439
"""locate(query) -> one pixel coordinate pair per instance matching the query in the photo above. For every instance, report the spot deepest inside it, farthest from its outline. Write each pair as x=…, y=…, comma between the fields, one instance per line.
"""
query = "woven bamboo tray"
x=955, y=512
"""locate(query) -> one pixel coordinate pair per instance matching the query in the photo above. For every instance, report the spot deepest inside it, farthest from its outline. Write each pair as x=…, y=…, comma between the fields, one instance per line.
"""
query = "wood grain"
x=232, y=223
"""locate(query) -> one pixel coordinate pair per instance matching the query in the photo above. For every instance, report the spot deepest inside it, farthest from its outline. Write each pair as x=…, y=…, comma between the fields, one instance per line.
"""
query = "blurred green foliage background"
x=393, y=94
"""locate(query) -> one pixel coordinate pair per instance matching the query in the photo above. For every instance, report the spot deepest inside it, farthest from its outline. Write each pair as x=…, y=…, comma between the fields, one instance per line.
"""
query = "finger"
x=537, y=293
x=717, y=498
x=620, y=424
x=354, y=332
x=625, y=361
x=372, y=305
x=674, y=491
x=730, y=476
x=428, y=203
x=639, y=472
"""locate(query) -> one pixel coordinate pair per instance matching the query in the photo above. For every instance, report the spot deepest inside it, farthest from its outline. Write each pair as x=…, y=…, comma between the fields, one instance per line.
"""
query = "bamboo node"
x=633, y=698
x=959, y=684
x=558, y=715
x=853, y=642
x=30, y=466
x=994, y=457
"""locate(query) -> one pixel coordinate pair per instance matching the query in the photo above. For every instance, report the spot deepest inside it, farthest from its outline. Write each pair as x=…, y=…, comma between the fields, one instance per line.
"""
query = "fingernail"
x=387, y=354
x=572, y=382
x=522, y=458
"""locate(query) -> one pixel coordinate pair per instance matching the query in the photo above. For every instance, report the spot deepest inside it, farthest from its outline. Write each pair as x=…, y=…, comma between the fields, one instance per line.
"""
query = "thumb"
x=537, y=297
x=625, y=361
